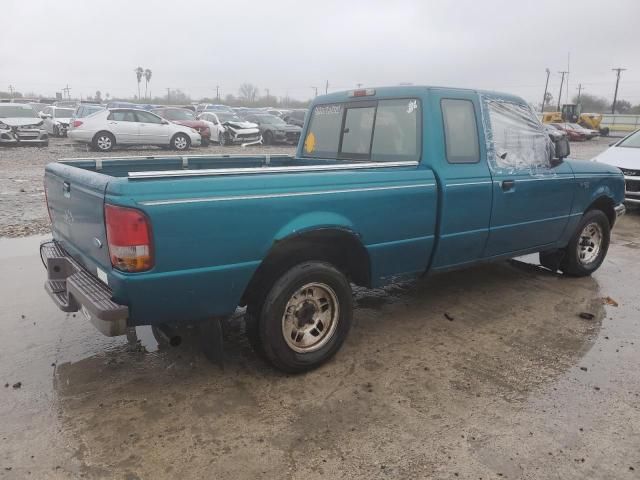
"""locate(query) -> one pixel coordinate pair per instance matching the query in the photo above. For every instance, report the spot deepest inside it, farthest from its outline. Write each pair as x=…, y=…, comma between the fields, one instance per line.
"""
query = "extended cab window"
x=384, y=130
x=460, y=131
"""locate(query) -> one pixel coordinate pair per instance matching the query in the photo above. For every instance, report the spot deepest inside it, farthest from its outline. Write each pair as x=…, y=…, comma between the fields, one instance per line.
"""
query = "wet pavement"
x=483, y=373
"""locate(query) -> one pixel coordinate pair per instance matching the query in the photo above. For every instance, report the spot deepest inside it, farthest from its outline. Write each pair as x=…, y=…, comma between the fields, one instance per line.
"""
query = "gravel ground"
x=22, y=205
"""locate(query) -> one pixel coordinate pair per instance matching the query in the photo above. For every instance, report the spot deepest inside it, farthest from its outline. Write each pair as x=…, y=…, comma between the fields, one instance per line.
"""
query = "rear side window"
x=122, y=116
x=460, y=131
x=385, y=130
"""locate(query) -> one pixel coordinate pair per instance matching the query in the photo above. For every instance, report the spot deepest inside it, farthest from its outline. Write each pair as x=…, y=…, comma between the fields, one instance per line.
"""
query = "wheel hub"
x=310, y=317
x=590, y=243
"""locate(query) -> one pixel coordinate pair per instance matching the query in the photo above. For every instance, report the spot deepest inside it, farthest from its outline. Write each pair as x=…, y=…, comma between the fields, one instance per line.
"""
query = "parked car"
x=66, y=104
x=295, y=117
x=213, y=107
x=573, y=134
x=227, y=128
x=128, y=126
x=554, y=133
x=83, y=111
x=37, y=107
x=274, y=129
x=185, y=117
x=163, y=241
x=625, y=154
x=586, y=131
x=56, y=120
x=20, y=125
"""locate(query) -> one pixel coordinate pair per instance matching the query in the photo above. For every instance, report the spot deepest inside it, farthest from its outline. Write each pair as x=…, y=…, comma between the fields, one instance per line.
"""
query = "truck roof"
x=412, y=90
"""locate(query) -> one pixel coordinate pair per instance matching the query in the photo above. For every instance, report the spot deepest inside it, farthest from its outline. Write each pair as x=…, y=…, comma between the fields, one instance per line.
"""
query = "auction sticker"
x=310, y=143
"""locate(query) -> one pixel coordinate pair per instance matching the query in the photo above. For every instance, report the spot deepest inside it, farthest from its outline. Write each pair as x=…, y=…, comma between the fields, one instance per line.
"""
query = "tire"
x=267, y=138
x=103, y=142
x=588, y=246
x=180, y=142
x=319, y=301
x=205, y=142
x=604, y=131
x=223, y=139
x=56, y=131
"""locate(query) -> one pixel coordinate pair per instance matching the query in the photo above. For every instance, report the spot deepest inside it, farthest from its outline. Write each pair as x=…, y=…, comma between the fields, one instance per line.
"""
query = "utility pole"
x=218, y=92
x=11, y=89
x=168, y=96
x=580, y=88
x=326, y=87
x=316, y=89
x=546, y=86
x=67, y=90
x=615, y=94
x=267, y=90
x=358, y=85
x=561, y=83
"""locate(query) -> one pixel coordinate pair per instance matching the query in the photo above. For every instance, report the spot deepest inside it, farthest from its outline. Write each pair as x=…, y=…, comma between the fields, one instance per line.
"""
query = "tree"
x=147, y=79
x=623, y=106
x=139, y=73
x=593, y=104
x=98, y=96
x=248, y=92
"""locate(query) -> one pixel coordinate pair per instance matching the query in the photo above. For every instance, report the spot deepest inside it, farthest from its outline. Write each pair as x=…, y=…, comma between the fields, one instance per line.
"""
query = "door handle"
x=112, y=123
x=508, y=185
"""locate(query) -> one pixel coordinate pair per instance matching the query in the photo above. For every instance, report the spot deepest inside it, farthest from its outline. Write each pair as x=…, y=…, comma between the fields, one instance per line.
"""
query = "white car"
x=129, y=126
x=20, y=125
x=625, y=154
x=56, y=120
x=229, y=128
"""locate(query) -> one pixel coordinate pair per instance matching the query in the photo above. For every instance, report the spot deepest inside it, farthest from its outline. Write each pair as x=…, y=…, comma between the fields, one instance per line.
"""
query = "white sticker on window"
x=412, y=106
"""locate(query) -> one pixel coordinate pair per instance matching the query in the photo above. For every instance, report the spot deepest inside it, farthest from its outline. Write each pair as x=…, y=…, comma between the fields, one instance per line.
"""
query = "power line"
x=615, y=95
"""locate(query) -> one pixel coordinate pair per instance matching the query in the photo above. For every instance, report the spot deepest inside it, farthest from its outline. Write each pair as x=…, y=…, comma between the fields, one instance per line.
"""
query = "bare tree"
x=139, y=73
x=248, y=92
x=147, y=79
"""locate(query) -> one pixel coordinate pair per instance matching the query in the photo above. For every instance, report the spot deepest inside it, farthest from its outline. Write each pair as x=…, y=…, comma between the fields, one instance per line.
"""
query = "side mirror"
x=165, y=122
x=612, y=144
x=563, y=149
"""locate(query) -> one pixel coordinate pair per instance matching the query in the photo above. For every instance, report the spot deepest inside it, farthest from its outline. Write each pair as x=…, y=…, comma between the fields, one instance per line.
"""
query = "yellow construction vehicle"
x=571, y=114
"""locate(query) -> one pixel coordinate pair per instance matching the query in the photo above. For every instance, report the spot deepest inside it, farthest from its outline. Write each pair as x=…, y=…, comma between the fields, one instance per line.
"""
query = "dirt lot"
x=22, y=207
x=510, y=384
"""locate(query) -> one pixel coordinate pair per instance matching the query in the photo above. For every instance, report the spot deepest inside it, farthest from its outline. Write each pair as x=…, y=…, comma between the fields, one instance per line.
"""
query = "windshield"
x=228, y=117
x=179, y=115
x=24, y=111
x=271, y=120
x=63, y=112
x=632, y=141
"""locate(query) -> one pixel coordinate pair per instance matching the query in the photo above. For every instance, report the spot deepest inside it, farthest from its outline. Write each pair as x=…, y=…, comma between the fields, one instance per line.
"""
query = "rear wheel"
x=56, y=131
x=180, y=142
x=103, y=142
x=588, y=246
x=267, y=138
x=223, y=139
x=304, y=318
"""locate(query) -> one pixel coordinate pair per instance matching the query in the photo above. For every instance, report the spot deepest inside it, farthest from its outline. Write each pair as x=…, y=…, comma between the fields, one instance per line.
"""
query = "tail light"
x=77, y=123
x=46, y=201
x=129, y=238
x=362, y=93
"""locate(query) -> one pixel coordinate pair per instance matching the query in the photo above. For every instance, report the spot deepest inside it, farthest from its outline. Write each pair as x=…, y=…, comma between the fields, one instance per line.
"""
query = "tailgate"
x=75, y=198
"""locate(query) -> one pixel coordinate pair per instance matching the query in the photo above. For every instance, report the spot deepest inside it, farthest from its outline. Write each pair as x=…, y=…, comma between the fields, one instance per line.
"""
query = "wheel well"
x=93, y=140
x=338, y=247
x=605, y=204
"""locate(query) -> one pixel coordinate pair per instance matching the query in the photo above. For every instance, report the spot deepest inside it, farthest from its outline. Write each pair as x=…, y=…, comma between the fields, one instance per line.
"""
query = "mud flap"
x=212, y=341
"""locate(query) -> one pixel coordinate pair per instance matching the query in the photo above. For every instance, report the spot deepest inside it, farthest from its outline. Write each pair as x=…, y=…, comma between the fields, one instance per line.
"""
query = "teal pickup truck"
x=386, y=184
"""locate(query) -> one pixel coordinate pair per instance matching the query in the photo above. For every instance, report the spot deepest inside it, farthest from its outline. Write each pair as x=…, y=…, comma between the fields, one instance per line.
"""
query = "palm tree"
x=147, y=78
x=139, y=72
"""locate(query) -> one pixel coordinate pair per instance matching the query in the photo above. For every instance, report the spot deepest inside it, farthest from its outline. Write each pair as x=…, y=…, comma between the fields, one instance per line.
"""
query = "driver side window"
x=146, y=117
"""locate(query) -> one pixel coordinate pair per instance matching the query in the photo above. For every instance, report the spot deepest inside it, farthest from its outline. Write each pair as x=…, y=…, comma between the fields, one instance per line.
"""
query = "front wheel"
x=180, y=142
x=588, y=246
x=304, y=318
x=103, y=142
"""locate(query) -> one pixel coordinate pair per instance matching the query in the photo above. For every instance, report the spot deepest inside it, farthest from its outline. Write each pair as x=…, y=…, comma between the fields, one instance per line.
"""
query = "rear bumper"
x=72, y=289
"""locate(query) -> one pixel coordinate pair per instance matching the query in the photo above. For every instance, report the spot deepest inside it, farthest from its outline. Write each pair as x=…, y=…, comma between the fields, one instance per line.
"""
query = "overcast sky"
x=290, y=46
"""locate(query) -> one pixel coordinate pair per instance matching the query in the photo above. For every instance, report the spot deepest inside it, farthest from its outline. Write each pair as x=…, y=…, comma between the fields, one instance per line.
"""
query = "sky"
x=289, y=47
